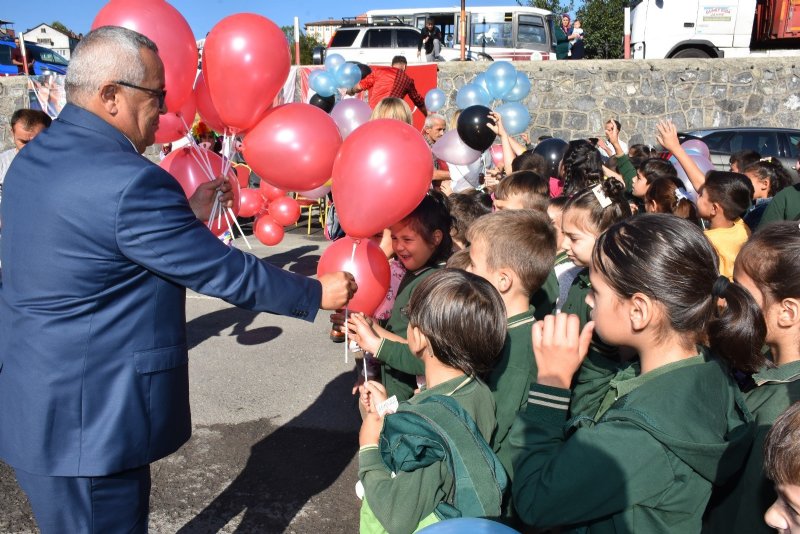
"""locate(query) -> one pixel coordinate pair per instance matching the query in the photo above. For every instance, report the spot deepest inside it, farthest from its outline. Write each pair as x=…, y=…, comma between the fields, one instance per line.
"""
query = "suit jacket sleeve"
x=156, y=228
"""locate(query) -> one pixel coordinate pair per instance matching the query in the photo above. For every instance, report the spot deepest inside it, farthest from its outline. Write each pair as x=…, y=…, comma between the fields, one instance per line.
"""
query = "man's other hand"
x=337, y=290
x=203, y=198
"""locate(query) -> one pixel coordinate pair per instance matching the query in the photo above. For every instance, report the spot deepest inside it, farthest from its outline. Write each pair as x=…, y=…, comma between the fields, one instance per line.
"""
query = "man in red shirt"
x=384, y=82
x=19, y=60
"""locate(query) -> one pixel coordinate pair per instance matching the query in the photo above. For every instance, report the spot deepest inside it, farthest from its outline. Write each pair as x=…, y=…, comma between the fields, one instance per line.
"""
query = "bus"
x=512, y=33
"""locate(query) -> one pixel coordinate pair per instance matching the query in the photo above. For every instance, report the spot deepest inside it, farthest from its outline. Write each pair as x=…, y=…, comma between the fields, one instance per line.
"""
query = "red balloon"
x=369, y=267
x=269, y=191
x=173, y=126
x=285, y=210
x=267, y=230
x=167, y=28
x=245, y=64
x=293, y=147
x=205, y=107
x=252, y=202
x=497, y=155
x=381, y=173
x=184, y=167
x=243, y=175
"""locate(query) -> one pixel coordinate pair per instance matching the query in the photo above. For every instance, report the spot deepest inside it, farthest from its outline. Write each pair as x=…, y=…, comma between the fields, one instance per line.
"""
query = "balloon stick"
x=347, y=309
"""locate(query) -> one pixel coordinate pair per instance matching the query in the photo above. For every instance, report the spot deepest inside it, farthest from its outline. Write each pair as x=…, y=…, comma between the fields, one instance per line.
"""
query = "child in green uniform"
x=514, y=251
x=422, y=243
x=586, y=216
x=785, y=206
x=421, y=464
x=768, y=266
x=782, y=465
x=664, y=436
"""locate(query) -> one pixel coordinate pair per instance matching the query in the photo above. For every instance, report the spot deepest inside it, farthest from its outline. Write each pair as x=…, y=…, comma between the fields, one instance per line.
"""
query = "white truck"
x=714, y=28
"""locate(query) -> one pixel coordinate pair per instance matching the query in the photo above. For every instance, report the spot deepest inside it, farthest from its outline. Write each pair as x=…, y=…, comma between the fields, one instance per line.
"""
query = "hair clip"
x=680, y=194
x=767, y=159
x=601, y=196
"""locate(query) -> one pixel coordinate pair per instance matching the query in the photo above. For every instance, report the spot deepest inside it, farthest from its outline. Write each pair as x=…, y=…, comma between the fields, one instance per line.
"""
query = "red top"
x=390, y=81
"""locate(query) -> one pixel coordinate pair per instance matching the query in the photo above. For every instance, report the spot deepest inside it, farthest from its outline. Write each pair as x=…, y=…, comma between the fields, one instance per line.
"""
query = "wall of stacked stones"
x=572, y=100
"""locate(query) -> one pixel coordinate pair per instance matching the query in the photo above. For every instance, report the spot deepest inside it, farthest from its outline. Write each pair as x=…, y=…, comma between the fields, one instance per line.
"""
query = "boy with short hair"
x=522, y=190
x=515, y=251
x=782, y=466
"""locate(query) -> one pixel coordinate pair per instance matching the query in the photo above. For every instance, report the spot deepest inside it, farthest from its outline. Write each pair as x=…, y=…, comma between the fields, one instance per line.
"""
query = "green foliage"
x=56, y=25
x=555, y=6
x=307, y=45
x=603, y=23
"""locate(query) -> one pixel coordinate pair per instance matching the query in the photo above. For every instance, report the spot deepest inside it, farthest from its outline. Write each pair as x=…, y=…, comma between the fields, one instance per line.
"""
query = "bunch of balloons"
x=337, y=74
x=501, y=82
x=698, y=151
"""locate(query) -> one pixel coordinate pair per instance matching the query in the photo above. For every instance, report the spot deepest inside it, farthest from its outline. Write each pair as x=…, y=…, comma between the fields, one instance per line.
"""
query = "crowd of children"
x=595, y=346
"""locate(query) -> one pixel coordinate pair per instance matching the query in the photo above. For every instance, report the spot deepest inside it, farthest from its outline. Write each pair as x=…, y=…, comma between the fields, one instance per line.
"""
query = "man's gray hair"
x=106, y=54
x=429, y=120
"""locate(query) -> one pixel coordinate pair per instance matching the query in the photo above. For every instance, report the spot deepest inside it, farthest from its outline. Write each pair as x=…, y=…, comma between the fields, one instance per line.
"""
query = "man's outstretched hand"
x=337, y=290
x=203, y=198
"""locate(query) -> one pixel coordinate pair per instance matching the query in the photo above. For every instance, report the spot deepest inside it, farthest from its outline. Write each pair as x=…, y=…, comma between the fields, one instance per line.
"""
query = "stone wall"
x=573, y=100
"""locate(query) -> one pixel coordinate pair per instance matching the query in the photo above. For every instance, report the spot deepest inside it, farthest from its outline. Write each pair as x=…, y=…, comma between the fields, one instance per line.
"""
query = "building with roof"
x=48, y=37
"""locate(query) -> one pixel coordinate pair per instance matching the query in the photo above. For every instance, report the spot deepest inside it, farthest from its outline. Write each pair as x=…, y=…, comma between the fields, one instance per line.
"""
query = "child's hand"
x=667, y=136
x=370, y=430
x=371, y=394
x=612, y=132
x=497, y=127
x=362, y=332
x=602, y=144
x=559, y=348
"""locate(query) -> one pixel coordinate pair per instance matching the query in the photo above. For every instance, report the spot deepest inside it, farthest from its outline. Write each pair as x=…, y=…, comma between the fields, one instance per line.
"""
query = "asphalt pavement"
x=275, y=427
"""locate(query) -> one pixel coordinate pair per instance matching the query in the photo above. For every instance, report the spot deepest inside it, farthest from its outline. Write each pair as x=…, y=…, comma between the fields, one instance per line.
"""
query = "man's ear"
x=108, y=98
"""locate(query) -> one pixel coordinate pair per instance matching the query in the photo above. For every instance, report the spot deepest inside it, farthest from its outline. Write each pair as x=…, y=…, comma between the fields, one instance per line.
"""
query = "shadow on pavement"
x=288, y=467
x=212, y=324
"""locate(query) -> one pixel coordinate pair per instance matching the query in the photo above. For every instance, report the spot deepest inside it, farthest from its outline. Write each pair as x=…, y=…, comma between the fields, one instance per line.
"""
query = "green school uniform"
x=785, y=206
x=627, y=170
x=544, y=299
x=400, y=503
x=601, y=364
x=399, y=383
x=510, y=381
x=740, y=506
x=646, y=466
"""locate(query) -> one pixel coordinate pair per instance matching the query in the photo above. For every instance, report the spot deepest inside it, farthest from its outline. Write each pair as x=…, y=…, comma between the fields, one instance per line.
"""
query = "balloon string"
x=347, y=311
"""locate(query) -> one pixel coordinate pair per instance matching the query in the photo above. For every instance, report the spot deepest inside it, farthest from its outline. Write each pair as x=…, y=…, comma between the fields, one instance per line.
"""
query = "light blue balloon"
x=480, y=79
x=515, y=117
x=468, y=524
x=435, y=99
x=324, y=84
x=501, y=77
x=520, y=89
x=333, y=62
x=472, y=95
x=347, y=75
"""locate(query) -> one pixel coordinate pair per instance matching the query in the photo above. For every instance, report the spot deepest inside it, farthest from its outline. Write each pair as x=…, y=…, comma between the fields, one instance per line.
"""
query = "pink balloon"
x=319, y=192
x=184, y=167
x=452, y=149
x=205, y=107
x=267, y=230
x=497, y=155
x=252, y=202
x=173, y=126
x=243, y=175
x=368, y=266
x=293, y=147
x=349, y=114
x=167, y=28
x=381, y=173
x=285, y=210
x=245, y=64
x=697, y=145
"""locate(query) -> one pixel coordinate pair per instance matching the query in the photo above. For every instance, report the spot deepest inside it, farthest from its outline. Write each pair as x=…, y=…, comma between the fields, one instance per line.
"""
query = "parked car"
x=44, y=59
x=780, y=143
x=378, y=43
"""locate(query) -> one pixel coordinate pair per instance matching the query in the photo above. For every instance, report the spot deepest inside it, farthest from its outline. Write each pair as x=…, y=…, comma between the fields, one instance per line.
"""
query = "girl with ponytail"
x=667, y=431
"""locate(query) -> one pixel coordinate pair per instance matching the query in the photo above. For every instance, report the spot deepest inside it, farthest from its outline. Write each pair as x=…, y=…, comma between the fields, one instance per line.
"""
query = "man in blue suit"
x=98, y=247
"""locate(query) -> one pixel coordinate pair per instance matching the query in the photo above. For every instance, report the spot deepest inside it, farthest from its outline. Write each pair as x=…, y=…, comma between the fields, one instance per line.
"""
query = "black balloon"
x=473, y=130
x=365, y=70
x=325, y=103
x=552, y=150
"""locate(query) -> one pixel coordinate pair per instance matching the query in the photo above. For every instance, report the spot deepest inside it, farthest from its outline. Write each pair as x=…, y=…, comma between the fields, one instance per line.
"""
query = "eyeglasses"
x=158, y=93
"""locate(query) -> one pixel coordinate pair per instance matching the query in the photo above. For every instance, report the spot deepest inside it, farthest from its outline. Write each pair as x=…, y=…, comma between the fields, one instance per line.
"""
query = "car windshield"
x=491, y=31
x=44, y=55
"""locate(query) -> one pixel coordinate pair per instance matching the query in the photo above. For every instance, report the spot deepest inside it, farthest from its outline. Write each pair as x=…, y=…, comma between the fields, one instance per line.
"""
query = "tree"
x=603, y=23
x=555, y=6
x=56, y=25
x=307, y=45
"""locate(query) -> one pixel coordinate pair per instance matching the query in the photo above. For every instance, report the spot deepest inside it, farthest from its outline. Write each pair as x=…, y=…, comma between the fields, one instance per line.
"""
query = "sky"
x=201, y=15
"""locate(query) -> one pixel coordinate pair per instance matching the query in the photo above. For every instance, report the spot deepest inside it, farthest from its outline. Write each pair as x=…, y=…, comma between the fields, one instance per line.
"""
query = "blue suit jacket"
x=98, y=246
